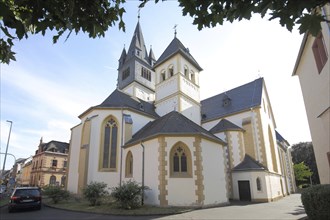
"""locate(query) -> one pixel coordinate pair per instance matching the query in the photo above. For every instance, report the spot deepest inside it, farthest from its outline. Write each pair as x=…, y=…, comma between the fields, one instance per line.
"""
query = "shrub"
x=128, y=195
x=94, y=192
x=316, y=201
x=56, y=193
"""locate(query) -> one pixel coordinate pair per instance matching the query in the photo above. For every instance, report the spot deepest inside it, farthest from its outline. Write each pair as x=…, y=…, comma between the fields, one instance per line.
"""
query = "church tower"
x=135, y=71
x=177, y=82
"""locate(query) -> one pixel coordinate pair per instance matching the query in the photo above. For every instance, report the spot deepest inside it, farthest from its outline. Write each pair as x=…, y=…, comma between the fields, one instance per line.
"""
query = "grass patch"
x=107, y=207
x=4, y=200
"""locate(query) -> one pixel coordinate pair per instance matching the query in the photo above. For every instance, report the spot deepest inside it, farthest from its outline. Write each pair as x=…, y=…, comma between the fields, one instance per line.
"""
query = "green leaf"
x=311, y=23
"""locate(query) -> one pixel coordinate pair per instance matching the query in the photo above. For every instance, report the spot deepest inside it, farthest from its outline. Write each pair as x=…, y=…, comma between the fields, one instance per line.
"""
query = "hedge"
x=316, y=201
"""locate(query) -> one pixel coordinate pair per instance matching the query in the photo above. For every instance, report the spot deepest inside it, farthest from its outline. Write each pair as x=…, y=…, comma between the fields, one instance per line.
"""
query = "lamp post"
x=4, y=161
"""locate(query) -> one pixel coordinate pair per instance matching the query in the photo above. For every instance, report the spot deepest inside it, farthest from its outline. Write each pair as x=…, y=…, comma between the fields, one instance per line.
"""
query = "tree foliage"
x=302, y=173
x=25, y=17
x=209, y=13
x=303, y=152
x=19, y=19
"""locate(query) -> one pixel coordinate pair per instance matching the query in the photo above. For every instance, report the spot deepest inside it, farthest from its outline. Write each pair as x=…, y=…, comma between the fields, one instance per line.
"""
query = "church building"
x=154, y=129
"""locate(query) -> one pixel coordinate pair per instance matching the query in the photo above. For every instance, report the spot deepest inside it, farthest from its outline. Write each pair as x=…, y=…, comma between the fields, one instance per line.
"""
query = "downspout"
x=142, y=196
x=121, y=147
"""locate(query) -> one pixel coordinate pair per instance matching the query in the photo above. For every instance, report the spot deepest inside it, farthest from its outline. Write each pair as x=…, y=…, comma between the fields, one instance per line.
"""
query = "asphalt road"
x=47, y=213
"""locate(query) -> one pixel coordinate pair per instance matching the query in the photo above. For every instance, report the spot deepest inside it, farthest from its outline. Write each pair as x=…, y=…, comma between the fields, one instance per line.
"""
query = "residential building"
x=49, y=164
x=17, y=170
x=154, y=129
x=312, y=68
x=26, y=173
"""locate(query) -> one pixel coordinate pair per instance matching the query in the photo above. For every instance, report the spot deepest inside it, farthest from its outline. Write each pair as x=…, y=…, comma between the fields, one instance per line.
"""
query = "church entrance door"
x=244, y=190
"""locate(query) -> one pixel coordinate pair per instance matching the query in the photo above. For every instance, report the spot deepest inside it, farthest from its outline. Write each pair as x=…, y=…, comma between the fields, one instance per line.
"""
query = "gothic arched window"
x=186, y=71
x=171, y=71
x=109, y=145
x=129, y=165
x=162, y=76
x=258, y=181
x=180, y=161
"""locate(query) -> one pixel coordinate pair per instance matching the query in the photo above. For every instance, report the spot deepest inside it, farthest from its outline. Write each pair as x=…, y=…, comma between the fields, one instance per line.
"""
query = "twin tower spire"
x=137, y=49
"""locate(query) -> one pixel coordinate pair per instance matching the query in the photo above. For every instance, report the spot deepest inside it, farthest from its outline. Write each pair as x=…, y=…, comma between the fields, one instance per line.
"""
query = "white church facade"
x=154, y=129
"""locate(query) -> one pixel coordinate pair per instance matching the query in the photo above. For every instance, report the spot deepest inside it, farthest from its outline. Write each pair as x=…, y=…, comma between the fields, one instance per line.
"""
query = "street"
x=47, y=213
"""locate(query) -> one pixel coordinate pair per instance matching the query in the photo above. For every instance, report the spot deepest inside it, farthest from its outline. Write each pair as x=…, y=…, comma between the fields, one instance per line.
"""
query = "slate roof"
x=137, y=43
x=173, y=123
x=61, y=146
x=118, y=99
x=241, y=98
x=280, y=138
x=177, y=47
x=225, y=125
x=249, y=164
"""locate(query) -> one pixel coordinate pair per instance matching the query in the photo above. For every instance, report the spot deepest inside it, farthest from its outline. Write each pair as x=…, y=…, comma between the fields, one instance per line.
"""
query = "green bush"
x=316, y=200
x=56, y=193
x=128, y=195
x=94, y=192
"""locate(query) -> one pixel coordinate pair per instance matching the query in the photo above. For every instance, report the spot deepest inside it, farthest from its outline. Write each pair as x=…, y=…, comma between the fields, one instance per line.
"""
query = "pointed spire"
x=152, y=58
x=122, y=57
x=137, y=47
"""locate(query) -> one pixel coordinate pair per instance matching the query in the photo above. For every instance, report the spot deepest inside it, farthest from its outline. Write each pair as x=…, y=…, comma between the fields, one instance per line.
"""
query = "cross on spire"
x=139, y=14
x=175, y=29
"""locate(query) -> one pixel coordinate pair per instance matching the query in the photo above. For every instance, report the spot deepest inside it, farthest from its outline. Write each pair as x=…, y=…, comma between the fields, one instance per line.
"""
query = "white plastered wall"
x=214, y=173
x=150, y=169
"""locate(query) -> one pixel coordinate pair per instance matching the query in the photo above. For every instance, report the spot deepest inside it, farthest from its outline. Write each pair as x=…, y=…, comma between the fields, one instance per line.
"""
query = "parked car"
x=25, y=198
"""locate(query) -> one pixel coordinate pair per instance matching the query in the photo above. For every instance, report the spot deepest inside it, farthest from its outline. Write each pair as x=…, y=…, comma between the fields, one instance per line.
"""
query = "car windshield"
x=27, y=192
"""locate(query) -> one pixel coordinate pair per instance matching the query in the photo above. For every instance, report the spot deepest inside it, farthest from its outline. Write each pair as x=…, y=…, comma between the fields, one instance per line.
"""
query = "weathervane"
x=175, y=29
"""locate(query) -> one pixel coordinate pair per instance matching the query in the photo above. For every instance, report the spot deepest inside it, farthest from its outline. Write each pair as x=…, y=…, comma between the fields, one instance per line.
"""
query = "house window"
x=258, y=181
x=320, y=52
x=145, y=73
x=125, y=74
x=180, y=161
x=52, y=180
x=129, y=165
x=54, y=163
x=40, y=164
x=109, y=145
x=65, y=164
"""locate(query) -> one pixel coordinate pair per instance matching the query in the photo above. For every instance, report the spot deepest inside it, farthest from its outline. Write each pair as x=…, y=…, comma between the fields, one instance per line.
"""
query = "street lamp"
x=4, y=161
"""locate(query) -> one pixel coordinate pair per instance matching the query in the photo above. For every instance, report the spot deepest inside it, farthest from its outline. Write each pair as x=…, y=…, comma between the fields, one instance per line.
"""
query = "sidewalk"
x=289, y=207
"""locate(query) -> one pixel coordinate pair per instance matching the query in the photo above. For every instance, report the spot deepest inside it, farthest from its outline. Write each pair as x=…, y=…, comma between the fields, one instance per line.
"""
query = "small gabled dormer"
x=226, y=101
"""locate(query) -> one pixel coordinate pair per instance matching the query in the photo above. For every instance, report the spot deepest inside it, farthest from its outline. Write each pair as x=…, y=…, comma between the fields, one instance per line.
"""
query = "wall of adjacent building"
x=315, y=89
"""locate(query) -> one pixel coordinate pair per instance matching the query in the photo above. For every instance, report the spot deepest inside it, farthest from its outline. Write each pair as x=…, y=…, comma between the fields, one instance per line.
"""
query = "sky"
x=50, y=85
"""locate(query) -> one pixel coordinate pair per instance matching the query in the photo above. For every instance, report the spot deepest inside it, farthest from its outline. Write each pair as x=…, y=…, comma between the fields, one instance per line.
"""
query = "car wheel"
x=39, y=207
x=10, y=210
